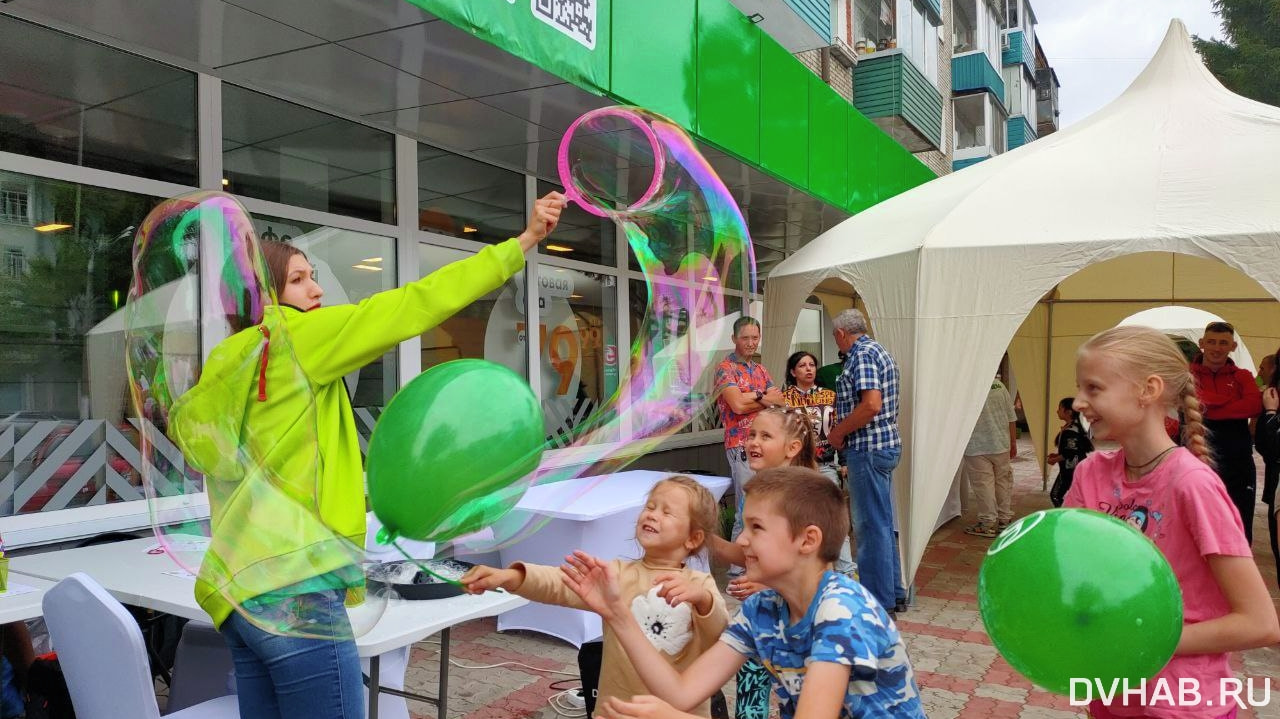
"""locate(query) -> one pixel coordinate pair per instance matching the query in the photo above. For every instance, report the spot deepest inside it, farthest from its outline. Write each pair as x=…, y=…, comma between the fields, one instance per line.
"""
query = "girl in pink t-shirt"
x=1128, y=380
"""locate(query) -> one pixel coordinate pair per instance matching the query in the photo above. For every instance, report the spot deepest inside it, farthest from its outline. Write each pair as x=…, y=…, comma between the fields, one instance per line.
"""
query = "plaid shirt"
x=749, y=377
x=870, y=366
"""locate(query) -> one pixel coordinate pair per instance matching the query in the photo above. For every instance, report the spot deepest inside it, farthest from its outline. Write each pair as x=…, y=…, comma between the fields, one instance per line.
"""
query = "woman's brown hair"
x=277, y=255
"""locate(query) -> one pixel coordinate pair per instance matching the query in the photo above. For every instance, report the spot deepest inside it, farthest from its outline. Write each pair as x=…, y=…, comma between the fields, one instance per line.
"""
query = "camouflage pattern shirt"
x=844, y=625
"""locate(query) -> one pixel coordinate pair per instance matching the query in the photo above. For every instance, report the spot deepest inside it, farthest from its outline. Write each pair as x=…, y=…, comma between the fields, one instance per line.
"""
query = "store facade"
x=386, y=140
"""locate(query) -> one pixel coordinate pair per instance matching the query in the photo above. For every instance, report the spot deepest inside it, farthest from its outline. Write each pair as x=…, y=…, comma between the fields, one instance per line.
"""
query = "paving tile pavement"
x=959, y=672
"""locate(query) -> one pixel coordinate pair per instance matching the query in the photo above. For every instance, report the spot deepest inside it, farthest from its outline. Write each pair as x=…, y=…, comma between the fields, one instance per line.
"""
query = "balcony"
x=1020, y=132
x=889, y=89
x=1016, y=48
x=1046, y=101
x=972, y=71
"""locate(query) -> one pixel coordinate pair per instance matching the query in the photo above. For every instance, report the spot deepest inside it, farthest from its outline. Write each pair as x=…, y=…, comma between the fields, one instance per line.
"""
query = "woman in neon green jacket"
x=271, y=427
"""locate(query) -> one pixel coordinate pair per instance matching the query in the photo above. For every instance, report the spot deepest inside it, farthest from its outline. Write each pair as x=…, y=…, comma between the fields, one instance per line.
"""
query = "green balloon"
x=454, y=450
x=1073, y=593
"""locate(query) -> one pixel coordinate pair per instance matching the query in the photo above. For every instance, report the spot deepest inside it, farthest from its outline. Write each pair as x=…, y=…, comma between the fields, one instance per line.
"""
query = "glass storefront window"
x=350, y=266
x=807, y=336
x=578, y=317
x=278, y=151
x=64, y=436
x=580, y=235
x=461, y=197
x=492, y=328
x=78, y=102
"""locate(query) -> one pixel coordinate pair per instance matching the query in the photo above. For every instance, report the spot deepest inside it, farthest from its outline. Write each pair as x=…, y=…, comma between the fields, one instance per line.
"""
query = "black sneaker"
x=900, y=607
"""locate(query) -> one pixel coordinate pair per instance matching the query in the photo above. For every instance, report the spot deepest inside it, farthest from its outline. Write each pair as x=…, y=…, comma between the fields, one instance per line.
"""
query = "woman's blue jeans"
x=284, y=677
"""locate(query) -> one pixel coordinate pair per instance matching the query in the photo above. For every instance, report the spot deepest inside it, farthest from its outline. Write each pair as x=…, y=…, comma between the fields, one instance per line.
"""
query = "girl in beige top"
x=679, y=608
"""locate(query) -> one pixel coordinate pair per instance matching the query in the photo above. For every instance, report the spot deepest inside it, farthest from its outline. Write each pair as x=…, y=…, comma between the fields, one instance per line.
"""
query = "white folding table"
x=23, y=598
x=595, y=514
x=153, y=580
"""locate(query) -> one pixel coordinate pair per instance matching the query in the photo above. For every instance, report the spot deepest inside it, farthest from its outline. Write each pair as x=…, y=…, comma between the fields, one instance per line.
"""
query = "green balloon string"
x=417, y=562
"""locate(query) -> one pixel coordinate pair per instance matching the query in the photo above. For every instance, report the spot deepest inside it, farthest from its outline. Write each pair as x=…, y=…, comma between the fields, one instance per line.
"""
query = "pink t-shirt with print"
x=1183, y=508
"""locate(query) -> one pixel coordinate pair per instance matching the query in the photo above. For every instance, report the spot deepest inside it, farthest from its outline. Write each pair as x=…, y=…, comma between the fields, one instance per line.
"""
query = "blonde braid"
x=1193, y=429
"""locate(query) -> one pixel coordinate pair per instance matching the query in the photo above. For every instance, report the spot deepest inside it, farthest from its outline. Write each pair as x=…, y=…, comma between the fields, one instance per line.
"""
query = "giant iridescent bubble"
x=688, y=237
x=208, y=425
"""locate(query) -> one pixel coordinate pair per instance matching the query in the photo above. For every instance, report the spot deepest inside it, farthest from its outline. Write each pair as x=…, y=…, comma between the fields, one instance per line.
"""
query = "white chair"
x=202, y=667
x=103, y=658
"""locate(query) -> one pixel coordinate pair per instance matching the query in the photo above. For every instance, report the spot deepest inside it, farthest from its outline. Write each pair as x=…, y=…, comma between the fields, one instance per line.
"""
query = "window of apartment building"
x=75, y=101
x=966, y=33
x=999, y=127
x=462, y=197
x=918, y=38
x=15, y=262
x=875, y=21
x=971, y=121
x=13, y=205
x=278, y=151
x=62, y=323
x=1010, y=14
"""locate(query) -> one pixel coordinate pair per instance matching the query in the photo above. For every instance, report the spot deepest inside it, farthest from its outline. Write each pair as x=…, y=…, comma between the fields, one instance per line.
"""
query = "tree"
x=1246, y=61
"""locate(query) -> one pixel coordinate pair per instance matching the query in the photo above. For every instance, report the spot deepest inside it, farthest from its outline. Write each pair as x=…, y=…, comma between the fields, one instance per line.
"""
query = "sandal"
x=982, y=529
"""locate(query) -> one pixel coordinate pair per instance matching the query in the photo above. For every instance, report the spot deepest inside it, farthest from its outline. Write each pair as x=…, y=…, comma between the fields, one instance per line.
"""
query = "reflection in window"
x=667, y=326
x=461, y=197
x=808, y=334
x=282, y=152
x=78, y=102
x=492, y=328
x=580, y=235
x=578, y=314
x=63, y=390
x=350, y=266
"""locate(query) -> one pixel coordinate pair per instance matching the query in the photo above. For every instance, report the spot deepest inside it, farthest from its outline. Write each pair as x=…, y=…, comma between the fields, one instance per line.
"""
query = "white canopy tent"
x=1188, y=323
x=950, y=270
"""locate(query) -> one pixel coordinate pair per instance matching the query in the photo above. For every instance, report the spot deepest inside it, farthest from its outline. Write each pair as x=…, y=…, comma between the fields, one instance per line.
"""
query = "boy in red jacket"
x=1229, y=398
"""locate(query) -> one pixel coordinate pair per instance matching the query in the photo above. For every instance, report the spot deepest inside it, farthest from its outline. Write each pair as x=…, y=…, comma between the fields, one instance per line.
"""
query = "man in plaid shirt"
x=866, y=432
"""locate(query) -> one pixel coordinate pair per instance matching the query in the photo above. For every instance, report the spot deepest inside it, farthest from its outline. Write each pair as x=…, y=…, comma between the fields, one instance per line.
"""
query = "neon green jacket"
x=276, y=439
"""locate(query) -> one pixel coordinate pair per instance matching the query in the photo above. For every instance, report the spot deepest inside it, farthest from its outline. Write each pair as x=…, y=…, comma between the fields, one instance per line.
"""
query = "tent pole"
x=1048, y=394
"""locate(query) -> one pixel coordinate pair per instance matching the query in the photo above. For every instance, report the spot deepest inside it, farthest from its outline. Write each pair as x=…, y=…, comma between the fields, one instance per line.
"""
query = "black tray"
x=421, y=585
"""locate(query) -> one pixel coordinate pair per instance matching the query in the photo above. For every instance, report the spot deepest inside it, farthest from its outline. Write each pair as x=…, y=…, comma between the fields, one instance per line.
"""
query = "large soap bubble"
x=689, y=239
x=243, y=426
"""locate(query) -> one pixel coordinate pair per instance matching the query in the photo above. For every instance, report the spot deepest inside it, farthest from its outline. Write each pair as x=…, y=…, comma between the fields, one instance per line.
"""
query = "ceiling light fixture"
x=51, y=227
x=469, y=228
x=372, y=259
x=559, y=248
x=225, y=182
x=370, y=268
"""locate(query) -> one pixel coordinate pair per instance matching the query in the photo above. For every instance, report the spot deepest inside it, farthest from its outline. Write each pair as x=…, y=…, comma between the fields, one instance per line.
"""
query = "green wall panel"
x=865, y=140
x=890, y=171
x=784, y=114
x=514, y=28
x=653, y=57
x=828, y=142
x=729, y=79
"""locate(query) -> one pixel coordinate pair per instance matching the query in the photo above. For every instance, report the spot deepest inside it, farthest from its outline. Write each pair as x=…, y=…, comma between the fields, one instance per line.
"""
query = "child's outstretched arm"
x=480, y=579
x=1252, y=621
x=596, y=582
x=534, y=582
x=725, y=551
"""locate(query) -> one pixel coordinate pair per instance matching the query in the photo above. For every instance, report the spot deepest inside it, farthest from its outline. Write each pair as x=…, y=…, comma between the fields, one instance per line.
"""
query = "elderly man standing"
x=744, y=387
x=867, y=408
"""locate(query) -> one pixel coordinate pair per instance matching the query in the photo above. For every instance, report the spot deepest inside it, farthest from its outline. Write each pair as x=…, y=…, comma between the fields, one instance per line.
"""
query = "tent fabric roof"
x=950, y=269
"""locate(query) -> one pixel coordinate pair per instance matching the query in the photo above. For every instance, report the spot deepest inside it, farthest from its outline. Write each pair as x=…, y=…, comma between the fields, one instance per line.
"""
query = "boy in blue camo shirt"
x=831, y=649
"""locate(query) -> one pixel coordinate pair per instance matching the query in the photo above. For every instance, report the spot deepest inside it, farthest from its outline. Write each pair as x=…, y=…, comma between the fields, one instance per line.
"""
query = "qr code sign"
x=575, y=18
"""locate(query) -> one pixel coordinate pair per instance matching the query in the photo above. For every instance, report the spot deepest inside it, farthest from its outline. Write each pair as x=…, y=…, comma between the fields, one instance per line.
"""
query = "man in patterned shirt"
x=743, y=388
x=867, y=412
